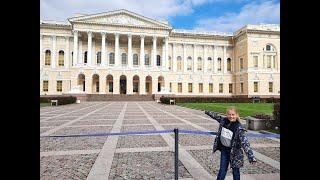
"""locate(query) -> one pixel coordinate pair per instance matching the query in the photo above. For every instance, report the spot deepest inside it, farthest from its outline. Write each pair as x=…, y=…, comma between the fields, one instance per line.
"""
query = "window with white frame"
x=179, y=63
x=45, y=86
x=135, y=60
x=170, y=63
x=255, y=87
x=270, y=87
x=210, y=64
x=189, y=64
x=146, y=60
x=241, y=64
x=158, y=60
x=200, y=87
x=179, y=87
x=59, y=86
x=219, y=64
x=61, y=58
x=220, y=88
x=124, y=59
x=199, y=62
x=230, y=88
x=241, y=87
x=210, y=87
x=99, y=57
x=47, y=60
x=111, y=58
x=85, y=57
x=255, y=61
x=190, y=87
x=228, y=64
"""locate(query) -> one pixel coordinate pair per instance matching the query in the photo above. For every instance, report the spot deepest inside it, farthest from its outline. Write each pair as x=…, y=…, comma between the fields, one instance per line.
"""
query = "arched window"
x=209, y=64
x=219, y=64
x=124, y=59
x=111, y=58
x=228, y=64
x=61, y=58
x=269, y=47
x=47, y=60
x=146, y=60
x=170, y=62
x=135, y=60
x=99, y=57
x=158, y=60
x=189, y=64
x=179, y=63
x=199, y=64
x=85, y=57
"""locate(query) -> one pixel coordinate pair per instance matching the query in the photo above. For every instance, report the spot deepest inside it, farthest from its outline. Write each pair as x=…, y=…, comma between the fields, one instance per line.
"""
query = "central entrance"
x=123, y=84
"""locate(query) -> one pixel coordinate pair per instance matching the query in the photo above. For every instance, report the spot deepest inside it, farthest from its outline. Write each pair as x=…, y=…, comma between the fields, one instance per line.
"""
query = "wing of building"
x=121, y=52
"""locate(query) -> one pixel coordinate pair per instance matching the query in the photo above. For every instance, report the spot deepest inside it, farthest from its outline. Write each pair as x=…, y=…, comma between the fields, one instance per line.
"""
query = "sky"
x=204, y=15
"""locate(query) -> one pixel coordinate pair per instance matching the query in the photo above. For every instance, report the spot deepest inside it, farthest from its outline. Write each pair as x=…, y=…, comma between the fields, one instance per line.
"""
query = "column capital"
x=154, y=38
x=116, y=34
x=54, y=36
x=129, y=35
x=142, y=36
x=103, y=33
x=75, y=31
x=89, y=32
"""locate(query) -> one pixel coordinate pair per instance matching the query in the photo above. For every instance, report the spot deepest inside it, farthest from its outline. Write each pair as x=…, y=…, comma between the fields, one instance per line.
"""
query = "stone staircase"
x=119, y=97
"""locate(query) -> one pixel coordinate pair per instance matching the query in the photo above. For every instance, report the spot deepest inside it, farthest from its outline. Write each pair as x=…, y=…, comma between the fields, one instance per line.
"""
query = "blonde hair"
x=233, y=108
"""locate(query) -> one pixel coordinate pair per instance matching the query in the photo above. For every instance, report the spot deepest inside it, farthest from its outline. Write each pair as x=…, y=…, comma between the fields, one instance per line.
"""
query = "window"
x=147, y=87
x=135, y=60
x=47, y=60
x=255, y=86
x=124, y=59
x=209, y=64
x=241, y=64
x=220, y=88
x=85, y=57
x=180, y=87
x=268, y=61
x=200, y=87
x=189, y=65
x=210, y=88
x=179, y=63
x=219, y=64
x=135, y=87
x=199, y=64
x=241, y=87
x=170, y=63
x=61, y=58
x=230, y=88
x=158, y=60
x=72, y=58
x=270, y=87
x=110, y=86
x=45, y=86
x=99, y=57
x=228, y=64
x=170, y=87
x=190, y=87
x=97, y=86
x=255, y=61
x=59, y=86
x=146, y=60
x=111, y=58
x=268, y=48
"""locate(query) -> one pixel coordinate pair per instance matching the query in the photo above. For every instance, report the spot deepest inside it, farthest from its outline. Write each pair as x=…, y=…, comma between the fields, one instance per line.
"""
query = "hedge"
x=166, y=100
x=62, y=100
x=276, y=114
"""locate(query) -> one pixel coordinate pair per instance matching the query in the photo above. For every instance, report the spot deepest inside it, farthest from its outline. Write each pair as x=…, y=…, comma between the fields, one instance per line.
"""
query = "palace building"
x=121, y=52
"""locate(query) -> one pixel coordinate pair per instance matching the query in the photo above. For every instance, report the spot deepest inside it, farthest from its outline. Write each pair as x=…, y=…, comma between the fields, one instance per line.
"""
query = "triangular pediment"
x=120, y=17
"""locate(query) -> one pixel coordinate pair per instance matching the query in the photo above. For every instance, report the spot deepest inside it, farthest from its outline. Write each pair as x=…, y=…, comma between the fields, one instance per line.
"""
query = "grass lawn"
x=44, y=104
x=274, y=131
x=245, y=109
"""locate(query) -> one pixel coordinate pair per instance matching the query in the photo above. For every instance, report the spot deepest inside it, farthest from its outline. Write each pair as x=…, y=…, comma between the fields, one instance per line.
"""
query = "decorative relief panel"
x=121, y=19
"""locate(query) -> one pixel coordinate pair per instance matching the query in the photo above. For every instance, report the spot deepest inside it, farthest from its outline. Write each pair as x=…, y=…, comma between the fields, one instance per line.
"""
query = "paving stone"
x=271, y=152
x=82, y=130
x=132, y=141
x=96, y=122
x=195, y=140
x=52, y=123
x=137, y=128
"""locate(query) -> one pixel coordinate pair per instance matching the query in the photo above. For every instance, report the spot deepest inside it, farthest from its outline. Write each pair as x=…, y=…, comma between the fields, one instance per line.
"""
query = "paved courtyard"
x=138, y=156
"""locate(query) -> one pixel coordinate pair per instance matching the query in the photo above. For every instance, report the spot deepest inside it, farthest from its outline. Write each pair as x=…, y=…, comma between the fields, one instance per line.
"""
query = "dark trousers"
x=224, y=163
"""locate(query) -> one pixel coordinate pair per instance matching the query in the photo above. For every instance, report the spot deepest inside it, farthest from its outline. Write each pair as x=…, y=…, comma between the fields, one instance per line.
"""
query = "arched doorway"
x=149, y=85
x=95, y=83
x=123, y=84
x=136, y=84
x=109, y=84
x=160, y=83
x=82, y=82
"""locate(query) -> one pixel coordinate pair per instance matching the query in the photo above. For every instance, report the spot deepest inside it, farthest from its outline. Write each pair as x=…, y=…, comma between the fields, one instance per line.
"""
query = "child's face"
x=232, y=116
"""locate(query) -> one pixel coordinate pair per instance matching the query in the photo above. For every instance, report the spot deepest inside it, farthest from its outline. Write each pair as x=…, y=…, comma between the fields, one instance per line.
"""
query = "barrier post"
x=176, y=153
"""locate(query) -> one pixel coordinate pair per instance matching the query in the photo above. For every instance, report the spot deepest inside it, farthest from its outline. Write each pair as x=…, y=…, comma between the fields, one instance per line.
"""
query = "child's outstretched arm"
x=246, y=147
x=213, y=115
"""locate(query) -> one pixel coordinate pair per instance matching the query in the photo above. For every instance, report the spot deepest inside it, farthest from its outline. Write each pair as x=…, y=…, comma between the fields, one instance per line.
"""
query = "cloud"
x=252, y=13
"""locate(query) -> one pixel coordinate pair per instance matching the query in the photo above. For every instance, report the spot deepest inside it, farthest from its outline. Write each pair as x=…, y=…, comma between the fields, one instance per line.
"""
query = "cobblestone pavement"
x=138, y=156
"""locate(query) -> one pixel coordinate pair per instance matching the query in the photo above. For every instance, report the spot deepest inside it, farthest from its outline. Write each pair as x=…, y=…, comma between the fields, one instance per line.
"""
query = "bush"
x=276, y=114
x=165, y=100
x=62, y=100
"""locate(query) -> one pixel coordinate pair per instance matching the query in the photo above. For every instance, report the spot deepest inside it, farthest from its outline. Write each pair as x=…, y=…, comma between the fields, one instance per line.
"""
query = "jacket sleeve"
x=214, y=115
x=246, y=146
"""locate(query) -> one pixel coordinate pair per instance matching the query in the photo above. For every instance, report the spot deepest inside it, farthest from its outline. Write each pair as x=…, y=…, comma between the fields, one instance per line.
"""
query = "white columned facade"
x=67, y=54
x=41, y=36
x=54, y=44
x=215, y=61
x=166, y=53
x=225, y=59
x=142, y=51
x=75, y=48
x=194, y=65
x=89, y=55
x=154, y=50
x=185, y=65
x=130, y=50
x=103, y=49
x=163, y=56
x=116, y=50
x=205, y=59
x=174, y=59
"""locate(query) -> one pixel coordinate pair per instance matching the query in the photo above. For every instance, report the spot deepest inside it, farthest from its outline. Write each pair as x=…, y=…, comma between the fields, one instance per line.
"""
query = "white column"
x=41, y=36
x=142, y=51
x=154, y=57
x=215, y=62
x=224, y=59
x=166, y=53
x=185, y=58
x=272, y=62
x=130, y=51
x=194, y=59
x=174, y=59
x=75, y=48
x=163, y=56
x=67, y=53
x=103, y=49
x=205, y=59
x=80, y=54
x=89, y=55
x=116, y=51
x=53, y=59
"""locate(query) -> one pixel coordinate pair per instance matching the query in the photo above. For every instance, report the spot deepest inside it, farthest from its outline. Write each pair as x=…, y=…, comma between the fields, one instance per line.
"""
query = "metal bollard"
x=176, y=153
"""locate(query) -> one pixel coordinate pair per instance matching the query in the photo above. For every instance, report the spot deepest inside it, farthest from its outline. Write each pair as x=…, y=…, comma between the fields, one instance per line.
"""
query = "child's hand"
x=253, y=162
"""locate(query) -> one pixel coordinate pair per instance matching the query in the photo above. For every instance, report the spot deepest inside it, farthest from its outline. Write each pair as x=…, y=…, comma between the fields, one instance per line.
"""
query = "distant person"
x=229, y=140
